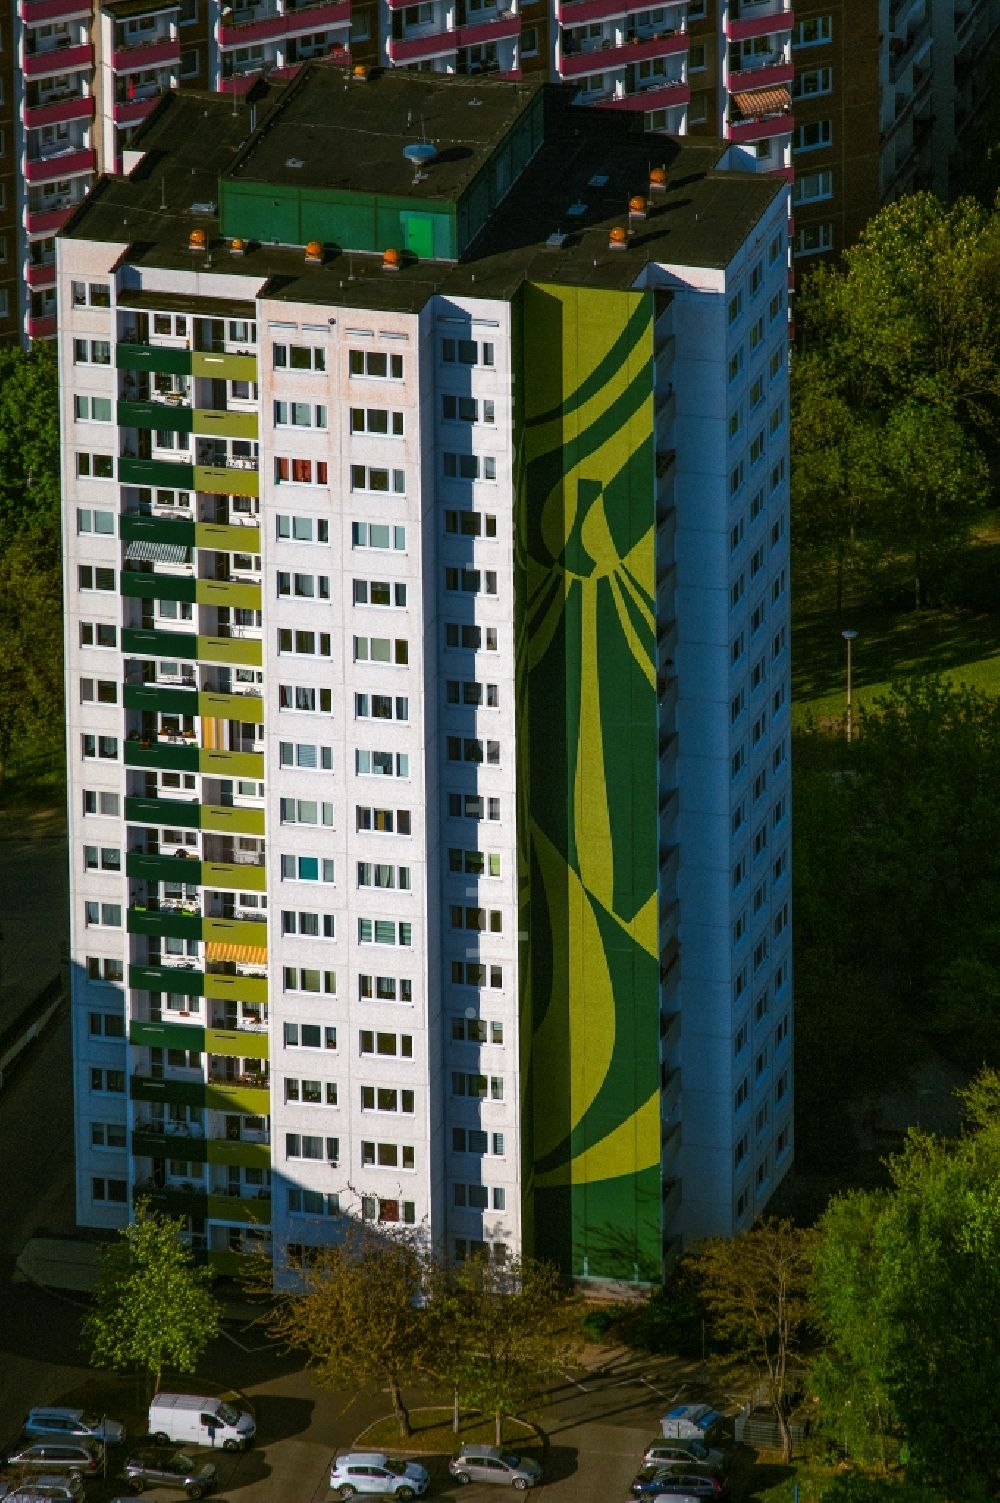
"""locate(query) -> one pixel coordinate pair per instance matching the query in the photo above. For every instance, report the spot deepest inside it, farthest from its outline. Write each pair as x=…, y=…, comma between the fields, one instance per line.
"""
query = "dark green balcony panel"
x=168, y=978
x=162, y=868
x=166, y=1035
x=164, y=472
x=164, y=921
x=173, y=1092
x=167, y=758
x=157, y=530
x=144, y=584
x=145, y=642
x=174, y=1201
x=163, y=811
x=164, y=1145
x=165, y=417
x=150, y=357
x=163, y=697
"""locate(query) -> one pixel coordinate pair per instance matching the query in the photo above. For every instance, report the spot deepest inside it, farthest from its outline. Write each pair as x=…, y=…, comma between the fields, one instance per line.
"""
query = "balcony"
x=760, y=21
x=412, y=49
x=153, y=472
x=762, y=129
x=597, y=61
x=160, y=51
x=155, y=1088
x=48, y=221
x=252, y=1208
x=576, y=12
x=904, y=54
x=249, y=1093
x=42, y=328
x=239, y=1043
x=35, y=12
x=60, y=165
x=74, y=106
x=153, y=1138
x=164, y=359
x=141, y=753
x=221, y=365
x=42, y=276
x=500, y=29
x=58, y=61
x=304, y=18
x=656, y=96
x=772, y=75
x=132, y=111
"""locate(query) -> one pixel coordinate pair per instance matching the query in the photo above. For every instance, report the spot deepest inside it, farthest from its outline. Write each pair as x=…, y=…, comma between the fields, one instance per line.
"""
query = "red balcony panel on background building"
x=80, y=107
x=59, y=60
x=242, y=84
x=412, y=48
x=501, y=29
x=761, y=78
x=576, y=64
x=68, y=164
x=650, y=99
x=131, y=111
x=42, y=328
x=317, y=17
x=147, y=54
x=252, y=31
x=513, y=75
x=42, y=276
x=46, y=221
x=33, y=12
x=760, y=130
x=788, y=173
x=759, y=26
x=576, y=12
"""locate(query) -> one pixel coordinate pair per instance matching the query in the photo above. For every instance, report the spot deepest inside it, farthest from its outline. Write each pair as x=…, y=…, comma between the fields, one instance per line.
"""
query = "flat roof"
x=334, y=131
x=576, y=188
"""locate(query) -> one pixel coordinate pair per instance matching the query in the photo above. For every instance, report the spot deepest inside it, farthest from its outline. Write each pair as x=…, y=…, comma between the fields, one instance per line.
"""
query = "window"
x=814, y=136
x=107, y=1082
x=466, y=1030
x=310, y=1092
x=91, y=351
x=381, y=707
x=304, y=753
x=380, y=421
x=376, y=366
x=386, y=1045
x=741, y=1093
x=98, y=634
x=102, y=858
x=107, y=1135
x=300, y=472
x=384, y=932
x=309, y=1036
x=299, y=415
x=812, y=186
x=306, y=869
x=105, y=969
x=102, y=915
x=811, y=82
x=90, y=520
x=466, y=352
x=387, y=1099
x=470, y=581
x=474, y=863
x=302, y=1146
x=298, y=357
x=469, y=466
x=102, y=691
x=813, y=32
x=479, y=920
x=91, y=409
x=301, y=811
x=757, y=447
x=383, y=764
x=470, y=749
x=106, y=1025
x=95, y=467
x=471, y=692
x=384, y=821
x=384, y=875
x=735, y=306
x=474, y=638
x=382, y=592
x=303, y=643
x=305, y=699
x=385, y=988
x=112, y=1190
x=456, y=409
x=311, y=1203
x=378, y=535
x=97, y=802
x=474, y=1140
x=301, y=529
x=91, y=295
x=308, y=925
x=814, y=239
x=374, y=480
x=470, y=524
x=387, y=1156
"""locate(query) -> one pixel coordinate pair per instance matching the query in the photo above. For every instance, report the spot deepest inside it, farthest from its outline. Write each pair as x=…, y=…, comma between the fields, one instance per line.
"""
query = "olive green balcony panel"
x=168, y=757
x=174, y=812
x=237, y=989
x=163, y=697
x=234, y=931
x=225, y=424
x=149, y=357
x=174, y=1201
x=233, y=875
x=252, y=1101
x=165, y=922
x=145, y=642
x=247, y=1155
x=231, y=764
x=226, y=480
x=244, y=651
x=157, y=530
x=237, y=1043
x=168, y=1145
x=234, y=821
x=223, y=367
x=143, y=584
x=225, y=538
x=246, y=707
x=255, y=1212
x=236, y=594
x=167, y=978
x=164, y=472
x=167, y=1036
x=163, y=868
x=173, y=1092
x=165, y=417
x=225, y=1264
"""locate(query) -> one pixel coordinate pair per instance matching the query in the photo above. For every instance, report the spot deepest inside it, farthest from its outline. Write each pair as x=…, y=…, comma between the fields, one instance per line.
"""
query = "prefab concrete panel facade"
x=587, y=782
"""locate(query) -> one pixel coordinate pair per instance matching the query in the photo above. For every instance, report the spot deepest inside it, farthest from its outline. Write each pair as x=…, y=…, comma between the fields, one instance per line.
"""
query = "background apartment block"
x=427, y=673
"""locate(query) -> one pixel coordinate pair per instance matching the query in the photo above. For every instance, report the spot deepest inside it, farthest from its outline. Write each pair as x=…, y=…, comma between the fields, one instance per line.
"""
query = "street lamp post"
x=849, y=636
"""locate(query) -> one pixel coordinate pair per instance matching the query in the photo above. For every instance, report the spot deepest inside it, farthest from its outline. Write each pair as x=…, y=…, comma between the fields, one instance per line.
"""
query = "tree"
x=29, y=447
x=358, y=1315
x=755, y=1287
x=154, y=1307
x=507, y=1323
x=31, y=680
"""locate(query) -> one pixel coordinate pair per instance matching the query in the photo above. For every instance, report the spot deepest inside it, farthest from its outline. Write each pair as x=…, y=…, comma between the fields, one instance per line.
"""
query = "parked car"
x=180, y=1471
x=81, y=1456
x=45, y=1488
x=75, y=1423
x=493, y=1464
x=653, y=1481
x=186, y=1418
x=666, y=1452
x=374, y=1472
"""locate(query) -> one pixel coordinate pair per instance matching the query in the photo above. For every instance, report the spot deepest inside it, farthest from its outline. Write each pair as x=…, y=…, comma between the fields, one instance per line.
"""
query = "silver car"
x=684, y=1453
x=375, y=1472
x=494, y=1464
x=47, y=1488
x=81, y=1456
x=76, y=1424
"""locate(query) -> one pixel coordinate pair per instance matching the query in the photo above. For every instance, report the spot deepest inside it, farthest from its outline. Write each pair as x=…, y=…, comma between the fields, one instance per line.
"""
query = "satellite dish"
x=421, y=154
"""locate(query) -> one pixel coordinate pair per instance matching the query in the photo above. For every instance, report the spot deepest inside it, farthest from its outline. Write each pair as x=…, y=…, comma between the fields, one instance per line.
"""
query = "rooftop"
x=552, y=226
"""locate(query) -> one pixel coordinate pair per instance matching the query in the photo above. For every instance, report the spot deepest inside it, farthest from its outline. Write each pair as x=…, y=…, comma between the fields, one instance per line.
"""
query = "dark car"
x=183, y=1472
x=83, y=1457
x=655, y=1481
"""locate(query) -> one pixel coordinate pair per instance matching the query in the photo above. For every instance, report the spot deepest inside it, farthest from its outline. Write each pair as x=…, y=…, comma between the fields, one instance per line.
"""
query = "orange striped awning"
x=217, y=949
x=752, y=103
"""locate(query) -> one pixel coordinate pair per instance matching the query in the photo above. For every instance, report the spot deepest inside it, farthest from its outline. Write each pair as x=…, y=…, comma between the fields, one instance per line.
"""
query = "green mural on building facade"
x=587, y=771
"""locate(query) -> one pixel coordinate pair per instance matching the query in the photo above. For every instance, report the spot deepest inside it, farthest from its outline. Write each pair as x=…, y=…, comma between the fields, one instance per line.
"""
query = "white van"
x=184, y=1417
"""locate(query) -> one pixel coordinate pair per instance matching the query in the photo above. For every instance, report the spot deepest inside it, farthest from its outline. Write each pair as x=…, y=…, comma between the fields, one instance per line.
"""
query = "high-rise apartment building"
x=426, y=563
x=864, y=98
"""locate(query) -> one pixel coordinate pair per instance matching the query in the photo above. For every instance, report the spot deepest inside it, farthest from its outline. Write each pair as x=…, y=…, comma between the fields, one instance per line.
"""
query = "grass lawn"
x=33, y=797
x=433, y=1433
x=767, y=1478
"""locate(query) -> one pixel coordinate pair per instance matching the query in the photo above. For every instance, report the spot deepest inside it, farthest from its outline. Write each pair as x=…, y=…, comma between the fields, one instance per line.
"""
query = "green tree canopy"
x=29, y=447
x=154, y=1308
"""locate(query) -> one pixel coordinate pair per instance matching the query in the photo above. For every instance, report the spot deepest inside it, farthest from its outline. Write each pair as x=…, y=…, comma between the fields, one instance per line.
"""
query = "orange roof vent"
x=197, y=240
x=659, y=177
x=391, y=259
x=237, y=247
x=360, y=72
x=314, y=251
x=618, y=238
x=637, y=207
